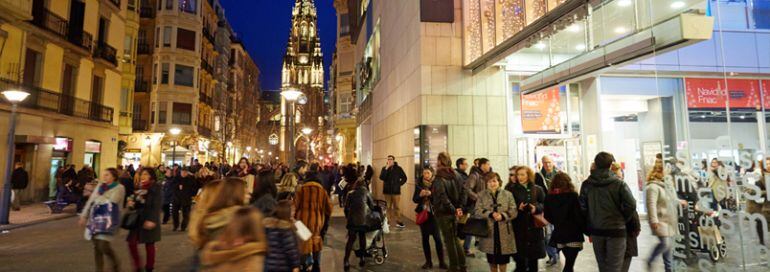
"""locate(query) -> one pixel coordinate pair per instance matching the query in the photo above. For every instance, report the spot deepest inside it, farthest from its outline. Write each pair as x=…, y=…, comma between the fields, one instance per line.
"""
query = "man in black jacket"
x=393, y=177
x=184, y=188
x=19, y=182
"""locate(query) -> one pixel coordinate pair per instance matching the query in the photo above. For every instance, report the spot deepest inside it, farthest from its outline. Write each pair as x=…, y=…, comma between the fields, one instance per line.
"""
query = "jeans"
x=16, y=204
x=185, y=210
x=448, y=227
x=102, y=248
x=552, y=252
x=662, y=248
x=609, y=252
x=467, y=243
x=428, y=229
x=394, y=211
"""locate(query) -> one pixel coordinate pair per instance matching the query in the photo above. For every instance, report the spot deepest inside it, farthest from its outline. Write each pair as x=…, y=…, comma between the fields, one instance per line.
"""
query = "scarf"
x=146, y=185
x=106, y=187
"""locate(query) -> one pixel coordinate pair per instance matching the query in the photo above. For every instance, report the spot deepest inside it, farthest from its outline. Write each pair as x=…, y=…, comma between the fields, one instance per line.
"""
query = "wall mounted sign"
x=540, y=111
x=712, y=93
x=63, y=144
x=93, y=147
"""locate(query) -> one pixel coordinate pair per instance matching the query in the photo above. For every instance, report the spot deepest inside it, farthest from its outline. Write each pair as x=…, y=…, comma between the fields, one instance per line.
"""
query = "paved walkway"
x=34, y=214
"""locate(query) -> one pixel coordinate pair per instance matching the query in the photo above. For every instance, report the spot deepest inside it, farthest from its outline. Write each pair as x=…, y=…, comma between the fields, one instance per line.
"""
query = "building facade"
x=303, y=70
x=244, y=77
x=70, y=56
x=342, y=90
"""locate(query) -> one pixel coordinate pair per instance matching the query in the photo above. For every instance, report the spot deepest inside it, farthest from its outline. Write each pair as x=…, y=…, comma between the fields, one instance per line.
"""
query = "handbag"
x=422, y=217
x=537, y=218
x=478, y=227
x=131, y=220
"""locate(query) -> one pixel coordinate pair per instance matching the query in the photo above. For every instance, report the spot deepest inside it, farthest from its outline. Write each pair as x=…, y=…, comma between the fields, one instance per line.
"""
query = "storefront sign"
x=540, y=112
x=63, y=144
x=93, y=147
x=712, y=93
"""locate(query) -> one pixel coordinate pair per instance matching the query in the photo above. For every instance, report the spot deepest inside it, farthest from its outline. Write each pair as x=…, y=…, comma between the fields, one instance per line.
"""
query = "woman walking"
x=147, y=201
x=661, y=202
x=498, y=207
x=529, y=202
x=101, y=218
x=313, y=208
x=282, y=253
x=562, y=209
x=422, y=197
x=359, y=206
x=241, y=247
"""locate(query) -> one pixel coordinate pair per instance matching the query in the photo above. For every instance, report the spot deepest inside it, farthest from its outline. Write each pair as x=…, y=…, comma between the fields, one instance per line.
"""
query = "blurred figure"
x=147, y=201
x=313, y=208
x=282, y=253
x=562, y=209
x=242, y=246
x=102, y=218
x=19, y=182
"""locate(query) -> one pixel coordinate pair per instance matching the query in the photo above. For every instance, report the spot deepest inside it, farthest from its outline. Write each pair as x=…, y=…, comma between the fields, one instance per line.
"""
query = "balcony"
x=139, y=124
x=124, y=122
x=204, y=131
x=16, y=9
x=143, y=49
x=208, y=35
x=205, y=99
x=84, y=40
x=147, y=12
x=106, y=52
x=47, y=20
x=46, y=100
x=141, y=86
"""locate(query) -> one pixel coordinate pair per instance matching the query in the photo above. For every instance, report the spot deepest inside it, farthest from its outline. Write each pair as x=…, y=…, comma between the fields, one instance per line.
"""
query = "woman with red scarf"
x=147, y=201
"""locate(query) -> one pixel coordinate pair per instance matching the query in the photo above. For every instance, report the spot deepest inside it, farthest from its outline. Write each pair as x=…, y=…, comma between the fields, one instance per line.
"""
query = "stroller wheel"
x=379, y=259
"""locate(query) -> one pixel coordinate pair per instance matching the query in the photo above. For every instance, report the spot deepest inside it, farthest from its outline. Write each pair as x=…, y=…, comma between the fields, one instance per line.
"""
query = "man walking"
x=19, y=182
x=393, y=177
x=543, y=179
x=608, y=205
x=183, y=190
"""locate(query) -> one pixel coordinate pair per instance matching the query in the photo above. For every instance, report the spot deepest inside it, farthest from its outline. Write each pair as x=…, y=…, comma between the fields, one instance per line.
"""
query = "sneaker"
x=468, y=253
x=552, y=261
x=400, y=225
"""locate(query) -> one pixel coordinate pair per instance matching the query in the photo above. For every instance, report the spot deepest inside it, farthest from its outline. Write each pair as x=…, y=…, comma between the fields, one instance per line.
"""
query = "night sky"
x=264, y=25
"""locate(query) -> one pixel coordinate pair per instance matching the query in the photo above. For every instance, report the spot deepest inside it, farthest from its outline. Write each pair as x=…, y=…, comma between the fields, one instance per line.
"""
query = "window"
x=188, y=6
x=167, y=36
x=157, y=37
x=132, y=5
x=344, y=24
x=128, y=45
x=152, y=112
x=184, y=75
x=155, y=73
x=32, y=68
x=137, y=110
x=169, y=4
x=185, y=39
x=164, y=73
x=346, y=103
x=162, y=112
x=182, y=114
x=69, y=79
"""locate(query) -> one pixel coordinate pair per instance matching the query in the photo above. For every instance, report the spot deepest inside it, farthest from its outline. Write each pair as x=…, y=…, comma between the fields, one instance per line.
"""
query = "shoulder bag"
x=476, y=226
x=537, y=218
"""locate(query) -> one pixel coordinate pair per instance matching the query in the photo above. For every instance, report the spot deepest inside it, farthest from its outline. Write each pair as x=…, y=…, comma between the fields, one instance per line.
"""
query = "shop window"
x=189, y=6
x=184, y=75
x=182, y=113
x=162, y=112
x=167, y=36
x=164, y=73
x=185, y=39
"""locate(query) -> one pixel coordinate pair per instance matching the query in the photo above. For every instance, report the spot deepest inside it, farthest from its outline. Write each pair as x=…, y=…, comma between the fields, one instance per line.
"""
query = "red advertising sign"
x=712, y=93
x=540, y=112
x=63, y=144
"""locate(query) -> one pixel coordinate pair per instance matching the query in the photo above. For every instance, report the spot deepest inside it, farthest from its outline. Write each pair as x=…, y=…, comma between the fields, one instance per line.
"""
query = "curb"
x=9, y=227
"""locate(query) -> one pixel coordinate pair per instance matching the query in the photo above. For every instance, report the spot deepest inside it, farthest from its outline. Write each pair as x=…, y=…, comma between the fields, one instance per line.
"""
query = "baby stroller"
x=375, y=237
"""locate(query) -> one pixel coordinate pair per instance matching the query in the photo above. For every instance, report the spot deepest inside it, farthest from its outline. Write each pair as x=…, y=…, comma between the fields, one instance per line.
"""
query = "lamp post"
x=291, y=96
x=15, y=97
x=306, y=131
x=174, y=132
x=148, y=141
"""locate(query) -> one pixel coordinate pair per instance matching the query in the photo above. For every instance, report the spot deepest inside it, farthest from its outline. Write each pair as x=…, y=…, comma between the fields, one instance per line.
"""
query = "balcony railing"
x=84, y=40
x=141, y=86
x=139, y=124
x=147, y=12
x=208, y=35
x=143, y=49
x=47, y=100
x=46, y=19
x=106, y=52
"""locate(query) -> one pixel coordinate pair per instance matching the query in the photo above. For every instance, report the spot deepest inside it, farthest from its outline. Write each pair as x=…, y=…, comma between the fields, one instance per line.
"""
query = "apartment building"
x=342, y=89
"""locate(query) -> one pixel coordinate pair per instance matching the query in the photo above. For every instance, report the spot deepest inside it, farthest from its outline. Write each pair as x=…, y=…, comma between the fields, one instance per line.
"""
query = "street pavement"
x=59, y=246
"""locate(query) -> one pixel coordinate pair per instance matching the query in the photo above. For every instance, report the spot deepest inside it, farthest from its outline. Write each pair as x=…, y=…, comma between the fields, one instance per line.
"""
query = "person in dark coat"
x=393, y=177
x=368, y=175
x=127, y=181
x=449, y=198
x=422, y=197
x=167, y=184
x=282, y=253
x=183, y=190
x=265, y=192
x=562, y=209
x=147, y=201
x=85, y=176
x=19, y=182
x=359, y=205
x=69, y=192
x=529, y=201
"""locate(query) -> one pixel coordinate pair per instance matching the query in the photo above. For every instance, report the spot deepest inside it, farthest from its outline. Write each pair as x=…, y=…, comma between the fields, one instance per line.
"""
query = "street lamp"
x=15, y=97
x=175, y=132
x=148, y=141
x=291, y=96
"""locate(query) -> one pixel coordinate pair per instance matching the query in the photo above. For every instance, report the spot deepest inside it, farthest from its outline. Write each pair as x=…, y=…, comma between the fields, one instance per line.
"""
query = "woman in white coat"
x=661, y=202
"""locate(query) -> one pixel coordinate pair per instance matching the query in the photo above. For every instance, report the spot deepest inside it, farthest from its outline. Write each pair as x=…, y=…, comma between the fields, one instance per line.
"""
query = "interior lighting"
x=677, y=4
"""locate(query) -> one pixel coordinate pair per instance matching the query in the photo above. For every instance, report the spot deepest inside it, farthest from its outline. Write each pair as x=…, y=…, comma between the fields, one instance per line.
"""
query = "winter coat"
x=265, y=204
x=282, y=253
x=184, y=190
x=19, y=179
x=543, y=178
x=419, y=200
x=207, y=227
x=151, y=210
x=563, y=211
x=392, y=179
x=289, y=183
x=633, y=228
x=168, y=190
x=313, y=208
x=474, y=185
x=247, y=257
x=501, y=239
x=128, y=184
x=249, y=180
x=448, y=193
x=607, y=202
x=661, y=202
x=358, y=206
x=530, y=240
x=113, y=195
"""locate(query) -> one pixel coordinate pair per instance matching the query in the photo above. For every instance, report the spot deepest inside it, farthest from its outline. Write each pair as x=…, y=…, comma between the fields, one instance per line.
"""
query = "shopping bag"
x=303, y=232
